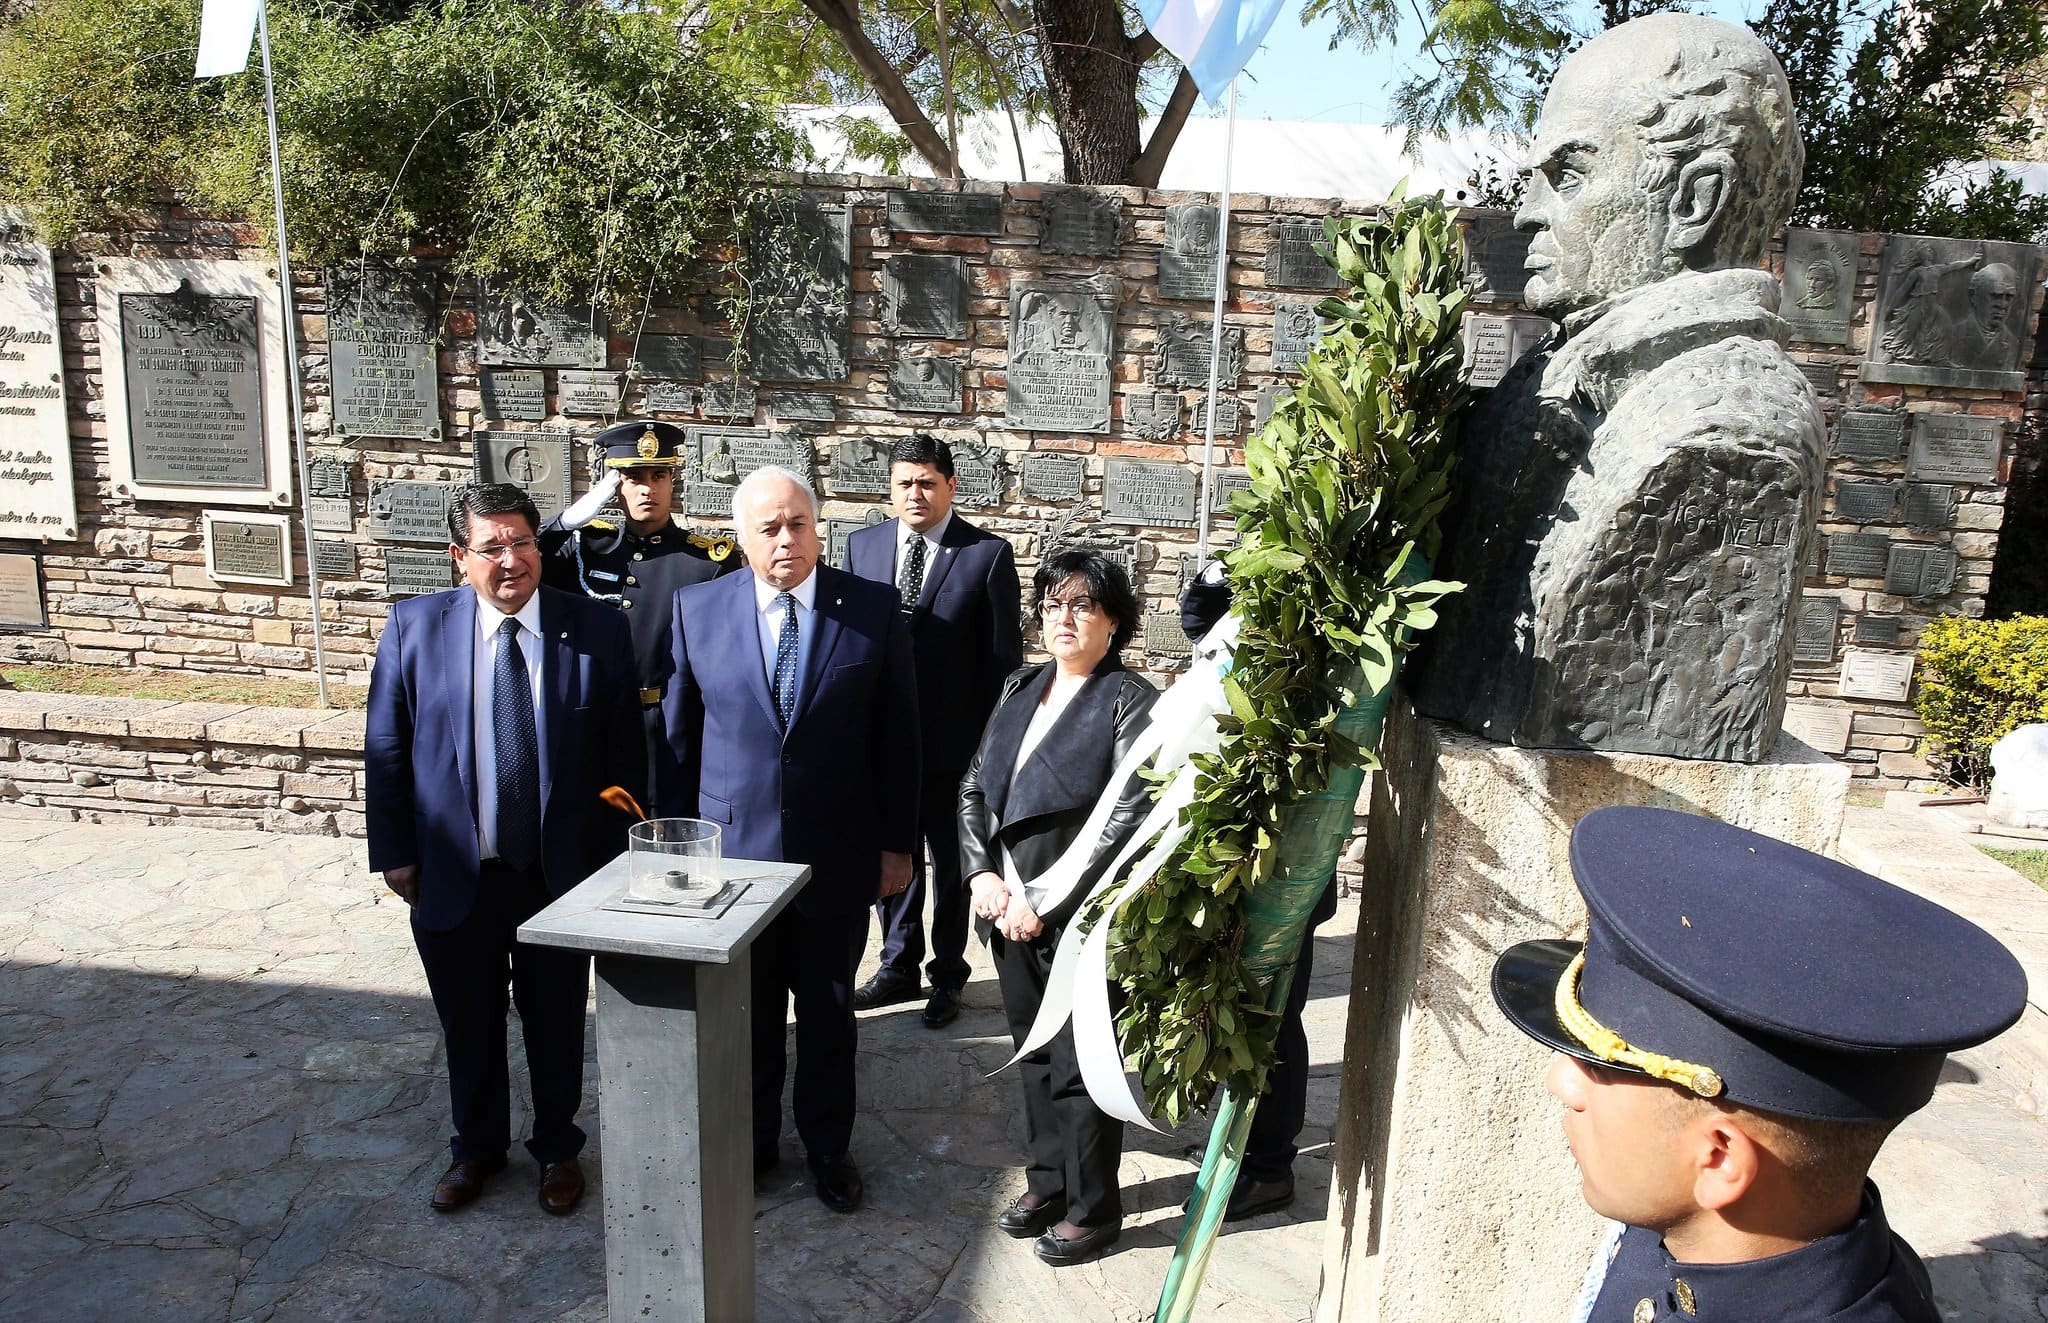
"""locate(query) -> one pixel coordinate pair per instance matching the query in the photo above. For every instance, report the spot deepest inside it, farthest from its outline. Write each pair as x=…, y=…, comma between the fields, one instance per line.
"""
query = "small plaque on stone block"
x=1494, y=344
x=1082, y=223
x=409, y=573
x=836, y=533
x=330, y=514
x=410, y=512
x=1187, y=263
x=513, y=393
x=1135, y=492
x=1918, y=570
x=727, y=454
x=1224, y=484
x=728, y=399
x=1182, y=359
x=1494, y=253
x=1819, y=290
x=924, y=294
x=1873, y=434
x=669, y=358
x=329, y=477
x=859, y=466
x=1292, y=261
x=588, y=394
x=1866, y=502
x=1164, y=637
x=1884, y=676
x=1153, y=416
x=1882, y=630
x=669, y=397
x=334, y=559
x=945, y=213
x=1052, y=477
x=1858, y=555
x=535, y=462
x=1058, y=375
x=803, y=406
x=1296, y=329
x=713, y=499
x=981, y=473
x=1930, y=505
x=514, y=329
x=1823, y=377
x=1822, y=727
x=381, y=353
x=247, y=548
x=1229, y=416
x=922, y=383
x=1954, y=447
x=1813, y=639
x=21, y=593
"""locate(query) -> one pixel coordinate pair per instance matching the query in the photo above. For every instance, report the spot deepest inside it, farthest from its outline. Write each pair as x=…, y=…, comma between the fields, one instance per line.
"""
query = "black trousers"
x=811, y=961
x=1269, y=1149
x=469, y=970
x=1073, y=1147
x=902, y=915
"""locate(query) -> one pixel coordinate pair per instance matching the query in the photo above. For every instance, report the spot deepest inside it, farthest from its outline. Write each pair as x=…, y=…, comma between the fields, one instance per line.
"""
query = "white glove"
x=585, y=510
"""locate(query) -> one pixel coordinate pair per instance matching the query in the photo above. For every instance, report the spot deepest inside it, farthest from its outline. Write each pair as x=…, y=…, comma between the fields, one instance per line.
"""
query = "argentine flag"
x=1213, y=38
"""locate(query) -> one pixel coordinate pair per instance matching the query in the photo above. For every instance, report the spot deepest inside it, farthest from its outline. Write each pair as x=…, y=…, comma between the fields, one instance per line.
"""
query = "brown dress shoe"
x=561, y=1186
x=463, y=1182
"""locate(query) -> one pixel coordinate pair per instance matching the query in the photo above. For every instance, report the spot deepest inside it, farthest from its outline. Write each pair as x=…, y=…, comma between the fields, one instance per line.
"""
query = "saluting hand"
x=895, y=874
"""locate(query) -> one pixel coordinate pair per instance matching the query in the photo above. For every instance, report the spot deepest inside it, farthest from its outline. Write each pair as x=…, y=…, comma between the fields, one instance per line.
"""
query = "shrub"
x=1979, y=680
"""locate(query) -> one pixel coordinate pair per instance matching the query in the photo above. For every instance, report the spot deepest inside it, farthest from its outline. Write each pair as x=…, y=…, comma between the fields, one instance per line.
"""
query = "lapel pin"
x=563, y=635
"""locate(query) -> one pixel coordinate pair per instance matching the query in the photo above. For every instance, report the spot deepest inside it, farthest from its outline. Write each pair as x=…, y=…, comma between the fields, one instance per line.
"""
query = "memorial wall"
x=1058, y=337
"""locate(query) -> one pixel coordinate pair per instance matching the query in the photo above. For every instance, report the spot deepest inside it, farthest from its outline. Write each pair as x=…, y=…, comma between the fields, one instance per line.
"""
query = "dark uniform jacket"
x=640, y=575
x=1861, y=1274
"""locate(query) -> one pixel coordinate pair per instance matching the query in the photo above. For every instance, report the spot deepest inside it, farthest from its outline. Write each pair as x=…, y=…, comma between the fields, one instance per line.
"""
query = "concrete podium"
x=675, y=1065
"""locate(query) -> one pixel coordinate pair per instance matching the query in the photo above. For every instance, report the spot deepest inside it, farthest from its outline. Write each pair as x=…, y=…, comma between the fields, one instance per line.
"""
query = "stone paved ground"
x=221, y=1099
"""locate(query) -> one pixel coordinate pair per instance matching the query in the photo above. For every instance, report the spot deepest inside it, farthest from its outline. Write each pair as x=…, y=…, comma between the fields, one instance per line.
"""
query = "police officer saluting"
x=637, y=565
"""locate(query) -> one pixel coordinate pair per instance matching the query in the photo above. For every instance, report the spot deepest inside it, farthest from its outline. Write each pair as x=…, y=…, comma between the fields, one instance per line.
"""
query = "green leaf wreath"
x=1348, y=480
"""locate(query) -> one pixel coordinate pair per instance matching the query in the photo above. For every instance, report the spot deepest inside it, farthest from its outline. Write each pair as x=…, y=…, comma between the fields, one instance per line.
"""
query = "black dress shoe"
x=463, y=1182
x=942, y=1009
x=1060, y=1252
x=837, y=1182
x=1025, y=1221
x=886, y=987
x=1249, y=1198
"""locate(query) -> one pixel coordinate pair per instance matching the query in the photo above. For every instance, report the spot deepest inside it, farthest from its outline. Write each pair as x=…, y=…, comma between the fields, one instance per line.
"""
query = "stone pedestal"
x=1453, y=1195
x=675, y=1062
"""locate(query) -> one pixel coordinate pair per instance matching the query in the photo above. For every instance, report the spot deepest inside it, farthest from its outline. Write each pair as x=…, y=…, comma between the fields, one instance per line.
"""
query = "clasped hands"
x=1004, y=906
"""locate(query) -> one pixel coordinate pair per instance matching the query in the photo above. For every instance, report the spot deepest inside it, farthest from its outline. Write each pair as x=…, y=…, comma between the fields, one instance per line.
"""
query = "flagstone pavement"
x=221, y=1098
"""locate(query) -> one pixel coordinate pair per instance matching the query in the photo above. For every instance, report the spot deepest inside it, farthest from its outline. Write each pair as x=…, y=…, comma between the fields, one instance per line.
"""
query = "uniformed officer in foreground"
x=1743, y=1027
x=636, y=565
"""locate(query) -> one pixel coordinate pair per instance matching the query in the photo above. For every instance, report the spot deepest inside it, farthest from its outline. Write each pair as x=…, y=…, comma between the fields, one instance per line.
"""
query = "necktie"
x=518, y=752
x=912, y=582
x=785, y=661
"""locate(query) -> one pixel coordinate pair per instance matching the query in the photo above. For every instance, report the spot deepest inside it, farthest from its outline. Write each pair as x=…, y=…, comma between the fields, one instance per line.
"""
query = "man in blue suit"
x=792, y=719
x=498, y=712
x=961, y=600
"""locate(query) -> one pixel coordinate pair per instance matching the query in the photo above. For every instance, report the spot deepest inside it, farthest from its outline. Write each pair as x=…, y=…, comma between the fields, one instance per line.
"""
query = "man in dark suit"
x=498, y=712
x=792, y=718
x=961, y=599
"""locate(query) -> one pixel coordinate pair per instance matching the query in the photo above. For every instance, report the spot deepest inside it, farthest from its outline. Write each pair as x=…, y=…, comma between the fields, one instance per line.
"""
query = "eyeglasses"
x=1084, y=608
x=500, y=550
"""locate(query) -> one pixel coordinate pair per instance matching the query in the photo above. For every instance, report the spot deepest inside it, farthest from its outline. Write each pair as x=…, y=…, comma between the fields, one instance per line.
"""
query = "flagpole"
x=291, y=352
x=1216, y=326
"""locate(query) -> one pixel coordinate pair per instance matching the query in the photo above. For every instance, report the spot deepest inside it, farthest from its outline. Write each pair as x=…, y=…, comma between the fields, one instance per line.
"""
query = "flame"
x=618, y=798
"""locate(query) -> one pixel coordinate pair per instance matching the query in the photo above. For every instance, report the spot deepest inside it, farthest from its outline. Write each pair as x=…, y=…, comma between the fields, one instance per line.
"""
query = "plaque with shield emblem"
x=1296, y=329
x=1813, y=638
x=1187, y=262
x=535, y=462
x=1082, y=223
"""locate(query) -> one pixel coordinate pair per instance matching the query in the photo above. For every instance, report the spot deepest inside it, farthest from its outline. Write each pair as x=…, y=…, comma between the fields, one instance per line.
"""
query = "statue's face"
x=1598, y=232
x=1992, y=294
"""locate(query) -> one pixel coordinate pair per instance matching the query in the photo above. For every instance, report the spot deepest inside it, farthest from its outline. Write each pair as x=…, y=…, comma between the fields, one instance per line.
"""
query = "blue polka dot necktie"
x=785, y=661
x=518, y=752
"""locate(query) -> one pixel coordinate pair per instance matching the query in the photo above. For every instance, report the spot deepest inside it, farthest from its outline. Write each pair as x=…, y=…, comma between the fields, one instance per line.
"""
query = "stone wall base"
x=83, y=759
x=1453, y=1195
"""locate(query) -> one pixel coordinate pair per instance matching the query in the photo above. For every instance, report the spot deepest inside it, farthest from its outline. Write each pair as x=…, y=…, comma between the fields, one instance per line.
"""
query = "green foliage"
x=573, y=151
x=1893, y=97
x=1348, y=479
x=1487, y=59
x=1979, y=680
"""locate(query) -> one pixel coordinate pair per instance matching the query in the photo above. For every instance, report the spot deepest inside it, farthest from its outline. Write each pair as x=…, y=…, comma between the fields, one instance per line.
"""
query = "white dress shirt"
x=768, y=615
x=931, y=538
x=482, y=666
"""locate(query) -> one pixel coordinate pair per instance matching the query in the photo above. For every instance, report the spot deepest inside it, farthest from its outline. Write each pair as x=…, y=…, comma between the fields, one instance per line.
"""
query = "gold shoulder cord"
x=1610, y=1046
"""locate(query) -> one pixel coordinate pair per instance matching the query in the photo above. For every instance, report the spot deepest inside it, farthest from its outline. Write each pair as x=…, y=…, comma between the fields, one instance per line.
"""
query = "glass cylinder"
x=674, y=861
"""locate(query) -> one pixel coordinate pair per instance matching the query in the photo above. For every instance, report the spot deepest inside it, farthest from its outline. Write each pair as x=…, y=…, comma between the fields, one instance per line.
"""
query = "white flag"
x=226, y=28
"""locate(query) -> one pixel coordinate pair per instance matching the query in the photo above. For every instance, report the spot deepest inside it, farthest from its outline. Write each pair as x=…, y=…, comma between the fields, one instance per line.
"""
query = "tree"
x=1895, y=101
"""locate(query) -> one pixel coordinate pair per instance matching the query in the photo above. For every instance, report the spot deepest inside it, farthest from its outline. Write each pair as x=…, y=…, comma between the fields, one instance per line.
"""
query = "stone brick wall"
x=133, y=590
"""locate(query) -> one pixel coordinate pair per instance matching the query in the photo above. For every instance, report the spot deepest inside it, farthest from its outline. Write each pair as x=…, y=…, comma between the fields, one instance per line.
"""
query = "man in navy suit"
x=961, y=599
x=498, y=712
x=792, y=719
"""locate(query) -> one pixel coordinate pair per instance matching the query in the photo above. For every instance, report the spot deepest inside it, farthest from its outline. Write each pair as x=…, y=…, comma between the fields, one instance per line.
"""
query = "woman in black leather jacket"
x=1056, y=736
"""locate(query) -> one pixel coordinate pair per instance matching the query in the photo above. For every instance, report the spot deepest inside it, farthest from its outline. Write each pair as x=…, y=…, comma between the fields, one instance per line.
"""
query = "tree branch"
x=1151, y=162
x=1143, y=47
x=843, y=18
